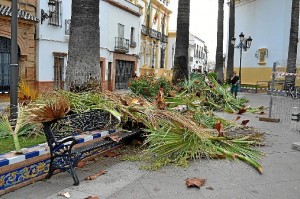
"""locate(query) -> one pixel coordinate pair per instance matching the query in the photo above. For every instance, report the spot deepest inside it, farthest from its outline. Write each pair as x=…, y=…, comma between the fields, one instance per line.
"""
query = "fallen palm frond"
x=173, y=136
x=15, y=128
x=175, y=142
x=48, y=108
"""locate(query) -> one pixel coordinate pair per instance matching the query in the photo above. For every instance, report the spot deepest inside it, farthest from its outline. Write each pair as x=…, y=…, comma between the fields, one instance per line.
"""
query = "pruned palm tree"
x=230, y=51
x=181, y=69
x=83, y=70
x=219, y=50
x=293, y=43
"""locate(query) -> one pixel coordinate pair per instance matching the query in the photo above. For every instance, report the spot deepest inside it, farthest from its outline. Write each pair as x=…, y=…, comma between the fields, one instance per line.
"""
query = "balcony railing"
x=132, y=44
x=67, y=26
x=154, y=34
x=121, y=45
x=164, y=38
x=145, y=30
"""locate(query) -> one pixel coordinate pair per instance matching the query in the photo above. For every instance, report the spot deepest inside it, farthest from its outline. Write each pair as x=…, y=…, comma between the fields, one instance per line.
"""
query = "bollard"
x=296, y=119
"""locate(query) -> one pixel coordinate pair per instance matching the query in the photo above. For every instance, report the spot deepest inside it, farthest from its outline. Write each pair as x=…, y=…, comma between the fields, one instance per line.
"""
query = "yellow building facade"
x=154, y=37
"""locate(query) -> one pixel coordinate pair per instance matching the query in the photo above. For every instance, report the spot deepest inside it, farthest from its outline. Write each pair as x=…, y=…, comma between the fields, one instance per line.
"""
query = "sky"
x=203, y=22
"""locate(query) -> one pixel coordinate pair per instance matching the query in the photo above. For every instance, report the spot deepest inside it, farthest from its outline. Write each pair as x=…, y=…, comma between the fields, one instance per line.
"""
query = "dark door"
x=124, y=71
x=109, y=77
x=5, y=46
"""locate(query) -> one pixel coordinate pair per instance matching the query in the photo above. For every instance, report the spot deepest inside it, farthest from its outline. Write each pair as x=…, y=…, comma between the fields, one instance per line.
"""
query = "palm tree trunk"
x=230, y=51
x=181, y=71
x=83, y=70
x=219, y=50
x=293, y=43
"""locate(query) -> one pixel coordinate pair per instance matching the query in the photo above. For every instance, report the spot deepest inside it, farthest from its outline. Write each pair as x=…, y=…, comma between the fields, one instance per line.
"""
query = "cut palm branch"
x=15, y=128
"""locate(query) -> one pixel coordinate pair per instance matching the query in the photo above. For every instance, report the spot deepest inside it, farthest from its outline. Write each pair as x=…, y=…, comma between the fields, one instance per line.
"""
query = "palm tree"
x=219, y=50
x=181, y=69
x=83, y=70
x=230, y=51
x=293, y=43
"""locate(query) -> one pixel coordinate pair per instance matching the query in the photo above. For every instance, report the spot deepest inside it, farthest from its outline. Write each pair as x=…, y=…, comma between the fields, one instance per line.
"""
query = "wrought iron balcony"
x=132, y=44
x=145, y=30
x=67, y=26
x=164, y=38
x=158, y=36
x=152, y=33
x=121, y=45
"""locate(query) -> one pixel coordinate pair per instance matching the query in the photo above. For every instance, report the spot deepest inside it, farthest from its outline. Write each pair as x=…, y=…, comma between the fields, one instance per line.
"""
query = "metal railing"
x=132, y=44
x=67, y=26
x=145, y=30
x=121, y=45
x=164, y=38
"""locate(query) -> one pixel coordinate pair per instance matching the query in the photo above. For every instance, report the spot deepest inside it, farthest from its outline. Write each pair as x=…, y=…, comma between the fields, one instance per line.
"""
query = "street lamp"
x=244, y=44
x=173, y=50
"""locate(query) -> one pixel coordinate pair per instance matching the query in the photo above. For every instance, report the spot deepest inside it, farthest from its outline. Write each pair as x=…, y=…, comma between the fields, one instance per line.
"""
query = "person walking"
x=234, y=80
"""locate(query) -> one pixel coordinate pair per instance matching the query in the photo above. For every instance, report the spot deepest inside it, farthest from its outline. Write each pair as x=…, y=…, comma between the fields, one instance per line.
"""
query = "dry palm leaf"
x=245, y=122
x=92, y=197
x=51, y=109
x=195, y=182
x=93, y=177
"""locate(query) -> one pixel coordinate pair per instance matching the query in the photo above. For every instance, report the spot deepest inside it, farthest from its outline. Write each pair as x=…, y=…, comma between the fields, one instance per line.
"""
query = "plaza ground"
x=225, y=179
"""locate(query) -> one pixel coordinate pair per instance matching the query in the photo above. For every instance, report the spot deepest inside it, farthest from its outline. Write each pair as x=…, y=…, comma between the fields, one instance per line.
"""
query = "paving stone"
x=296, y=146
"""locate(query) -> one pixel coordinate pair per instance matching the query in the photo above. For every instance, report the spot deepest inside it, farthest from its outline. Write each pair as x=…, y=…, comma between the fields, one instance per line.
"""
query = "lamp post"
x=173, y=50
x=14, y=66
x=244, y=44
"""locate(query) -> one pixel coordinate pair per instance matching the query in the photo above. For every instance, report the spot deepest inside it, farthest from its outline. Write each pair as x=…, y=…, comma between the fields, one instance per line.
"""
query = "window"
x=59, y=70
x=121, y=30
x=55, y=13
x=132, y=35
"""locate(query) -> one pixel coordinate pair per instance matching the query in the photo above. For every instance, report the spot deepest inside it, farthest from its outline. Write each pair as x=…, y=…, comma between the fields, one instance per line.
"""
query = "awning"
x=6, y=11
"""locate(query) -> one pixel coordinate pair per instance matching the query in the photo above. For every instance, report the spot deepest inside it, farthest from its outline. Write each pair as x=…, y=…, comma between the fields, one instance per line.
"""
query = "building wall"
x=25, y=39
x=195, y=62
x=150, y=47
x=53, y=39
x=268, y=23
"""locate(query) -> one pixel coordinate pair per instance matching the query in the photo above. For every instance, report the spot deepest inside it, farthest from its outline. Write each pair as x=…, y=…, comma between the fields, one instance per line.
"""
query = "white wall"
x=170, y=55
x=193, y=41
x=53, y=39
x=268, y=23
x=50, y=39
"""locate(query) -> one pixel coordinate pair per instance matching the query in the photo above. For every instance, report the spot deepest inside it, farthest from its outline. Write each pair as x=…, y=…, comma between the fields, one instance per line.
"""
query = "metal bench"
x=62, y=135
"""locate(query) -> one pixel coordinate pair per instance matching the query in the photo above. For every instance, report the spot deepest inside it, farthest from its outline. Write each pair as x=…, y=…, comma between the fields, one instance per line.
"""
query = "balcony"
x=67, y=26
x=132, y=44
x=164, y=38
x=151, y=32
x=121, y=45
x=145, y=30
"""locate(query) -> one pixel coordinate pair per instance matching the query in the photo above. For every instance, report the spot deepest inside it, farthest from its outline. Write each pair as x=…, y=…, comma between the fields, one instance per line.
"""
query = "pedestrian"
x=234, y=80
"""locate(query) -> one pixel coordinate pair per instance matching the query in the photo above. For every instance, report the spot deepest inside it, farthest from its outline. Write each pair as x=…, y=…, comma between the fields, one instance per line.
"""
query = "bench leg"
x=51, y=170
x=71, y=171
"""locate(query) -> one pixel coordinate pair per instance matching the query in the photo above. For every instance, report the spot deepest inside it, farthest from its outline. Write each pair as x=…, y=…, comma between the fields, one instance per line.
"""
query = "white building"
x=197, y=52
x=120, y=29
x=268, y=23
